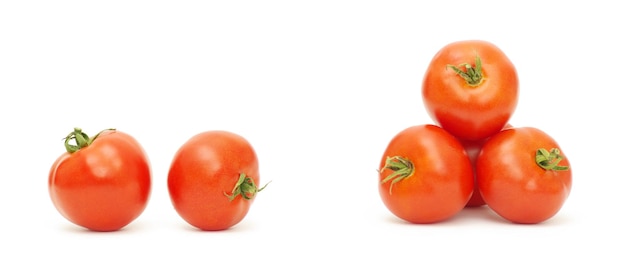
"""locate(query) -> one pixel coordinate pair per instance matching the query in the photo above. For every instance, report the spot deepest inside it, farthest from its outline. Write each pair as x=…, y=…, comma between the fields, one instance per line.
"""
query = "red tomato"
x=213, y=180
x=425, y=175
x=101, y=183
x=470, y=89
x=523, y=175
x=472, y=148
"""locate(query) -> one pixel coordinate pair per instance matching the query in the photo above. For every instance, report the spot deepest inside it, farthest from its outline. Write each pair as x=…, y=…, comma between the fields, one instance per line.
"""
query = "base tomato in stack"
x=473, y=149
x=425, y=175
x=523, y=175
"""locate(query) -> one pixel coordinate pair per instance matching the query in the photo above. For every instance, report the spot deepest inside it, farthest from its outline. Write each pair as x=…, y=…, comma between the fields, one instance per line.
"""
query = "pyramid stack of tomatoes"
x=471, y=156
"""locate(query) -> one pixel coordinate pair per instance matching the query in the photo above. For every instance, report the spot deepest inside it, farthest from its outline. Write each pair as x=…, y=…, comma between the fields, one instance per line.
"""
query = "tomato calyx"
x=81, y=140
x=550, y=160
x=401, y=167
x=472, y=75
x=245, y=187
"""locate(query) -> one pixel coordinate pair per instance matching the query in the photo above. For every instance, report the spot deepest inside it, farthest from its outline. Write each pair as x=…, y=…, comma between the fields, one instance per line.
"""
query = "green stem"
x=550, y=160
x=245, y=187
x=472, y=75
x=81, y=140
x=401, y=167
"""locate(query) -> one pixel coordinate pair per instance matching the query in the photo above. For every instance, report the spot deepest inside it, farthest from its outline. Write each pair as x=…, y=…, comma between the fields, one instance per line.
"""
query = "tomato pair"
x=103, y=183
x=472, y=156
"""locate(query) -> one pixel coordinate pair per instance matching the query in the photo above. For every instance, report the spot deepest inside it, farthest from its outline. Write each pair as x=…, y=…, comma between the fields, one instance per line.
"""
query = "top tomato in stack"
x=470, y=89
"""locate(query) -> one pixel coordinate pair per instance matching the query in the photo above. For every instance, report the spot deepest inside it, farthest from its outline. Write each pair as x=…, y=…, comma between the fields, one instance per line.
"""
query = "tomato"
x=470, y=89
x=523, y=175
x=101, y=183
x=472, y=148
x=213, y=178
x=425, y=175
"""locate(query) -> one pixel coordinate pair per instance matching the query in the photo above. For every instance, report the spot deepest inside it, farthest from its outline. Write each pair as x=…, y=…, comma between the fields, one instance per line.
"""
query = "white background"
x=318, y=88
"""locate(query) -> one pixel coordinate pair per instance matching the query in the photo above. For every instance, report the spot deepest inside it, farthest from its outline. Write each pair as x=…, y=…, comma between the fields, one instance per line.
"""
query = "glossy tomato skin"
x=102, y=187
x=513, y=185
x=442, y=181
x=470, y=112
x=204, y=169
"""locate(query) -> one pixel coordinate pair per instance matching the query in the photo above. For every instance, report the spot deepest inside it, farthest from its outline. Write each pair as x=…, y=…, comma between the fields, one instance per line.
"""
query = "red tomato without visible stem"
x=523, y=175
x=425, y=175
x=470, y=89
x=101, y=183
x=472, y=148
x=213, y=180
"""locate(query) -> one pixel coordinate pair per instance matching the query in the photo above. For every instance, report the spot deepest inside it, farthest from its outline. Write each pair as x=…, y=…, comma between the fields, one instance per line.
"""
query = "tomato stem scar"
x=550, y=160
x=402, y=168
x=472, y=75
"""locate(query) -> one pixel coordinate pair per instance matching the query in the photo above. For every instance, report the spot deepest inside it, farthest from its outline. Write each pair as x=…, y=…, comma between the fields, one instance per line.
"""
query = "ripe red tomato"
x=523, y=175
x=472, y=148
x=425, y=175
x=101, y=183
x=213, y=180
x=470, y=89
